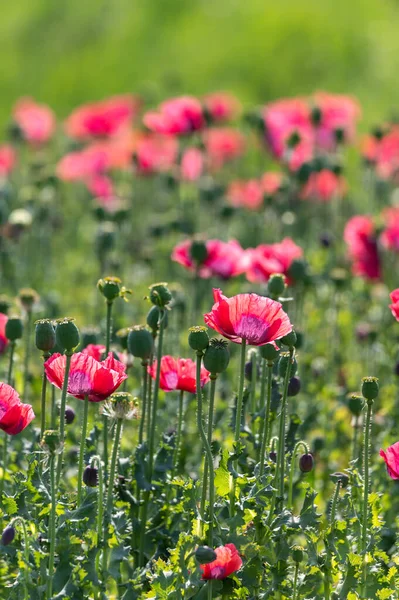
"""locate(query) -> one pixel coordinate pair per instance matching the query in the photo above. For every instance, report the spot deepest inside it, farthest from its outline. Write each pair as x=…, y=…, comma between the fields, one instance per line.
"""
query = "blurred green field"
x=67, y=52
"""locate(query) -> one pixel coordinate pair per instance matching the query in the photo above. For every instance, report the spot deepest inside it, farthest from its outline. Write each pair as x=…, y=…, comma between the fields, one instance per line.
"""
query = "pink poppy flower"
x=391, y=458
x=192, y=164
x=323, y=186
x=102, y=119
x=227, y=561
x=390, y=236
x=257, y=319
x=8, y=159
x=176, y=116
x=395, y=303
x=222, y=106
x=178, y=374
x=359, y=235
x=96, y=351
x=222, y=145
x=224, y=259
x=248, y=194
x=271, y=183
x=267, y=259
x=155, y=153
x=14, y=416
x=337, y=113
x=36, y=121
x=87, y=376
x=3, y=339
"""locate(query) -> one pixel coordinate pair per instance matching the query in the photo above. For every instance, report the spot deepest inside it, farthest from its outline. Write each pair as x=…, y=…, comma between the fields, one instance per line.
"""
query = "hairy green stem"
x=108, y=330
x=265, y=430
x=62, y=416
x=27, y=353
x=154, y=407
x=143, y=400
x=238, y=420
x=366, y=483
x=292, y=469
x=51, y=525
x=280, y=467
x=209, y=434
x=253, y=383
x=110, y=493
x=82, y=449
x=43, y=400
x=176, y=453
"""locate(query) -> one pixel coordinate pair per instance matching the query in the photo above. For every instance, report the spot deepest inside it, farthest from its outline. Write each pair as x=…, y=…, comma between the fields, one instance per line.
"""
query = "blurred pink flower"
x=176, y=116
x=360, y=237
x=267, y=259
x=224, y=259
x=8, y=159
x=271, y=182
x=192, y=164
x=102, y=119
x=222, y=145
x=323, y=186
x=155, y=153
x=248, y=194
x=36, y=121
x=222, y=106
x=337, y=113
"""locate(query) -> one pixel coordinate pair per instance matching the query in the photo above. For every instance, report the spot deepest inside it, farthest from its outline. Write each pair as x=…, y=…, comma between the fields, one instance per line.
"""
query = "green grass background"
x=68, y=51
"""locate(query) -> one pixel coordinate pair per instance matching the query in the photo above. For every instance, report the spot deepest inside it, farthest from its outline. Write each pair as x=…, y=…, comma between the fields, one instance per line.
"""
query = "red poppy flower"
x=395, y=303
x=359, y=234
x=14, y=416
x=3, y=339
x=391, y=457
x=222, y=144
x=228, y=561
x=257, y=319
x=267, y=259
x=155, y=153
x=87, y=376
x=178, y=374
x=8, y=159
x=222, y=106
x=36, y=121
x=224, y=259
x=176, y=116
x=96, y=351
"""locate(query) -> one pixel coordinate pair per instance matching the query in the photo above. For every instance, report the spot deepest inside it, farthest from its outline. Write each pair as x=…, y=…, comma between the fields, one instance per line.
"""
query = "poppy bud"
x=276, y=285
x=160, y=294
x=287, y=362
x=306, y=463
x=67, y=334
x=355, y=404
x=122, y=335
x=326, y=240
x=5, y=304
x=297, y=554
x=198, y=338
x=44, y=335
x=90, y=336
x=343, y=478
x=273, y=456
x=154, y=314
x=51, y=441
x=289, y=340
x=269, y=352
x=217, y=356
x=8, y=535
x=14, y=329
x=248, y=370
x=110, y=287
x=27, y=298
x=140, y=342
x=198, y=251
x=90, y=476
x=205, y=555
x=69, y=415
x=294, y=386
x=370, y=388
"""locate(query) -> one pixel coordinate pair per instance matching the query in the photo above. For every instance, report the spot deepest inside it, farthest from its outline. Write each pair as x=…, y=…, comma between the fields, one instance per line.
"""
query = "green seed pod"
x=44, y=335
x=355, y=404
x=276, y=285
x=370, y=388
x=198, y=251
x=297, y=554
x=205, y=555
x=153, y=316
x=217, y=356
x=110, y=287
x=28, y=298
x=67, y=334
x=198, y=338
x=140, y=342
x=269, y=352
x=14, y=329
x=160, y=294
x=285, y=363
x=289, y=340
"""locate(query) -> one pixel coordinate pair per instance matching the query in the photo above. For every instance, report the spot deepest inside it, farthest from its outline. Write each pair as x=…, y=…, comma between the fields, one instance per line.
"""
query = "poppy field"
x=199, y=360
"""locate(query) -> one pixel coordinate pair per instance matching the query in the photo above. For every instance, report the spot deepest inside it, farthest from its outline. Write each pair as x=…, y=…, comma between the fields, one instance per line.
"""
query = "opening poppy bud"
x=276, y=286
x=290, y=339
x=343, y=478
x=69, y=415
x=287, y=362
x=90, y=476
x=90, y=336
x=140, y=342
x=217, y=356
x=51, y=441
x=198, y=251
x=67, y=334
x=273, y=456
x=269, y=352
x=160, y=294
x=297, y=554
x=198, y=338
x=355, y=404
x=5, y=304
x=306, y=463
x=370, y=388
x=110, y=287
x=294, y=386
x=205, y=555
x=8, y=535
x=14, y=329
x=154, y=314
x=44, y=335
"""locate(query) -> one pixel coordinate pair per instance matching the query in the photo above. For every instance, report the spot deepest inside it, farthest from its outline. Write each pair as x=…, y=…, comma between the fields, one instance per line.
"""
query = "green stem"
x=108, y=331
x=11, y=362
x=51, y=527
x=143, y=400
x=238, y=420
x=265, y=432
x=110, y=493
x=292, y=469
x=253, y=383
x=82, y=449
x=154, y=407
x=207, y=448
x=26, y=554
x=355, y=437
x=366, y=490
x=280, y=467
x=4, y=465
x=176, y=454
x=334, y=504
x=62, y=416
x=100, y=508
x=27, y=354
x=209, y=432
x=294, y=594
x=43, y=401
x=53, y=407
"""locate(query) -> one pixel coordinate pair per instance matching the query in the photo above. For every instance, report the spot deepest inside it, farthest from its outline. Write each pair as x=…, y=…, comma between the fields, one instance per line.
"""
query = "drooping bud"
x=69, y=415
x=306, y=463
x=198, y=338
x=217, y=356
x=140, y=342
x=67, y=334
x=90, y=476
x=44, y=335
x=343, y=478
x=269, y=352
x=14, y=329
x=160, y=294
x=370, y=388
x=276, y=286
x=153, y=317
x=205, y=555
x=8, y=535
x=273, y=456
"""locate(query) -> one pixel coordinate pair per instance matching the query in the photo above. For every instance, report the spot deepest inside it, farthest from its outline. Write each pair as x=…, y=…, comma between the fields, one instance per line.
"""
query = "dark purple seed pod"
x=273, y=456
x=90, y=476
x=306, y=463
x=69, y=415
x=8, y=535
x=294, y=386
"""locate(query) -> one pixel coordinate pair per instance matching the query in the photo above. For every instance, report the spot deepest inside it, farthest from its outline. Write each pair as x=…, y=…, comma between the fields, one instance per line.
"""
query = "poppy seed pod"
x=198, y=251
x=286, y=362
x=306, y=463
x=370, y=388
x=205, y=555
x=67, y=334
x=8, y=535
x=269, y=352
x=14, y=329
x=355, y=404
x=140, y=342
x=297, y=554
x=276, y=285
x=153, y=316
x=217, y=356
x=90, y=476
x=90, y=336
x=198, y=338
x=44, y=335
x=110, y=287
x=160, y=294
